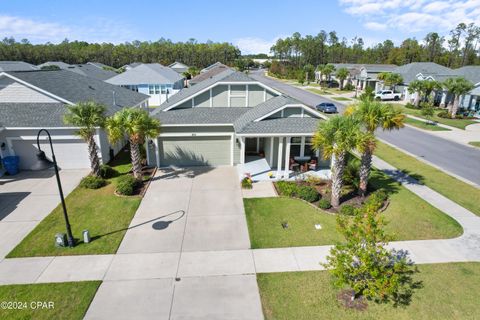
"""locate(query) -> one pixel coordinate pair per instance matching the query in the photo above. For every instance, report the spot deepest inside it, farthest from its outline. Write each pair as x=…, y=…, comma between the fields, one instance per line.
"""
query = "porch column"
x=242, y=150
x=443, y=100
x=272, y=140
x=157, y=152
x=279, y=160
x=147, y=149
x=287, y=158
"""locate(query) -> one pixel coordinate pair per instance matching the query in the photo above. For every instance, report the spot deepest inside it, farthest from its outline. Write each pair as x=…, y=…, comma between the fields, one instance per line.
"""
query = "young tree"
x=372, y=115
x=363, y=263
x=326, y=71
x=341, y=75
x=336, y=137
x=88, y=116
x=138, y=126
x=457, y=87
x=428, y=111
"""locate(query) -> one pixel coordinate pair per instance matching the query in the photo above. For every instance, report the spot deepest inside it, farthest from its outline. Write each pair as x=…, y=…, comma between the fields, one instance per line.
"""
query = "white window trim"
x=309, y=110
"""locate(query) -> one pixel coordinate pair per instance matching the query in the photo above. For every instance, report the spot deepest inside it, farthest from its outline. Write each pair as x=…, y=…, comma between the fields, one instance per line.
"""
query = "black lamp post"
x=42, y=164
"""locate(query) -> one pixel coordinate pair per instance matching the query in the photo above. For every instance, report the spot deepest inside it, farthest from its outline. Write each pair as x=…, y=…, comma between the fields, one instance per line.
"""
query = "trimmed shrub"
x=286, y=188
x=347, y=210
x=411, y=106
x=324, y=204
x=92, y=182
x=126, y=185
x=444, y=114
x=307, y=193
x=107, y=172
x=348, y=87
x=246, y=183
x=377, y=199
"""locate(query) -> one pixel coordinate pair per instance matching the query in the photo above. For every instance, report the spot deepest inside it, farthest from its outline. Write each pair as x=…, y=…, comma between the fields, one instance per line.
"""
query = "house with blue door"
x=153, y=79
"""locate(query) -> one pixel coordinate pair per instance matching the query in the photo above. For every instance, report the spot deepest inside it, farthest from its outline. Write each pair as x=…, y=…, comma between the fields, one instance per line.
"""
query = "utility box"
x=86, y=236
x=60, y=240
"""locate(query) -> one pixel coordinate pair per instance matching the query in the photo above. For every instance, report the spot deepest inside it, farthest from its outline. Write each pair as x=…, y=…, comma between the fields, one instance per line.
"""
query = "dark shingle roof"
x=147, y=73
x=92, y=71
x=471, y=73
x=37, y=114
x=208, y=74
x=16, y=66
x=202, y=115
x=76, y=88
x=282, y=125
x=410, y=71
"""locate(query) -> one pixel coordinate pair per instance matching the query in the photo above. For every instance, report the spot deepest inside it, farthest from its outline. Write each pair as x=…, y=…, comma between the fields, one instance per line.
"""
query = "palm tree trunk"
x=417, y=99
x=450, y=105
x=365, y=165
x=455, y=106
x=338, y=167
x=136, y=160
x=93, y=155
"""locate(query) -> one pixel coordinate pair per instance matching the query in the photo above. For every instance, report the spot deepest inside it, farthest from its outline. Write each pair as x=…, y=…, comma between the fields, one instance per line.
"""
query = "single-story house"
x=159, y=82
x=6, y=66
x=179, y=67
x=131, y=65
x=92, y=70
x=219, y=68
x=213, y=65
x=471, y=101
x=231, y=119
x=31, y=100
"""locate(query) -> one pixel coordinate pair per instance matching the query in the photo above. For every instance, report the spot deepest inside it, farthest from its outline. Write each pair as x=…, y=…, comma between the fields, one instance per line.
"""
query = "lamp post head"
x=42, y=162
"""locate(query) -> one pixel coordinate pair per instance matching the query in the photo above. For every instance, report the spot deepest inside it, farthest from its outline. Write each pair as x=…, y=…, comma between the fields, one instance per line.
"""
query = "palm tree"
x=457, y=87
x=88, y=116
x=418, y=87
x=138, y=126
x=336, y=137
x=372, y=115
x=341, y=75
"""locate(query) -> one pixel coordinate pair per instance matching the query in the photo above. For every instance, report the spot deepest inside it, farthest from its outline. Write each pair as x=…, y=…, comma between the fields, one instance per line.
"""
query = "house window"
x=309, y=151
x=295, y=146
x=157, y=89
x=164, y=89
x=151, y=89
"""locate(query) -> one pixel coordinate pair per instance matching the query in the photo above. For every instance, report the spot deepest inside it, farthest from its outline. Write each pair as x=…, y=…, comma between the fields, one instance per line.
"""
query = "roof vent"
x=90, y=87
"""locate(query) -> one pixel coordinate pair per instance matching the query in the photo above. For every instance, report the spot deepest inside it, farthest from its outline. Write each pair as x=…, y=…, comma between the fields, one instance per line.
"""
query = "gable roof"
x=208, y=74
x=98, y=64
x=92, y=71
x=147, y=73
x=16, y=66
x=60, y=64
x=216, y=64
x=75, y=88
x=410, y=71
x=34, y=115
x=290, y=125
x=471, y=73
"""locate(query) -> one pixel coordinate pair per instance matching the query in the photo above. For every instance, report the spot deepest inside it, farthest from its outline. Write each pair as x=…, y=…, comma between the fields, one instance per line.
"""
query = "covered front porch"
x=278, y=157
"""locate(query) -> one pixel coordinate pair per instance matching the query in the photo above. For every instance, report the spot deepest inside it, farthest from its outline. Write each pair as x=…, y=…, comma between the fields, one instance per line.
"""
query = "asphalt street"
x=456, y=158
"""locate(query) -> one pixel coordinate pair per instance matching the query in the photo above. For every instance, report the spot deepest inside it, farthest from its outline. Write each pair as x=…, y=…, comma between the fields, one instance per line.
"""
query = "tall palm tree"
x=417, y=87
x=88, y=116
x=336, y=137
x=341, y=75
x=457, y=87
x=138, y=126
x=372, y=115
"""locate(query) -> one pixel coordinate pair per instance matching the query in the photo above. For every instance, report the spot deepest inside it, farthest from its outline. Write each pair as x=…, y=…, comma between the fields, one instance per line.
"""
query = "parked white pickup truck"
x=387, y=95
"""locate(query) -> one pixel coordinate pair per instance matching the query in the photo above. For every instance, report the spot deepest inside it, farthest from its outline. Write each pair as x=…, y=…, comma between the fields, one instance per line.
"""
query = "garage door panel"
x=195, y=151
x=70, y=154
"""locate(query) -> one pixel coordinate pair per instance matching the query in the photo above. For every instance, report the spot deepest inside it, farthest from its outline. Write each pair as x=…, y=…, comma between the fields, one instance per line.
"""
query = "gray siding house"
x=32, y=100
x=232, y=119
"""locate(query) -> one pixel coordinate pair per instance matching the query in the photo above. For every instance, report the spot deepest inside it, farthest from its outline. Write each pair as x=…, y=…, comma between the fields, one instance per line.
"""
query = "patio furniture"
x=302, y=161
x=312, y=165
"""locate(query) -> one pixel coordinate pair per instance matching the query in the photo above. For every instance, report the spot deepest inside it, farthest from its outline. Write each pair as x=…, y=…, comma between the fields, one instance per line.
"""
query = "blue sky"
x=251, y=25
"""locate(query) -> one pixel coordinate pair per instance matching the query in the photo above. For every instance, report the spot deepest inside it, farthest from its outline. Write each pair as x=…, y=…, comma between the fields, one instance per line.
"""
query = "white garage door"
x=70, y=154
x=195, y=151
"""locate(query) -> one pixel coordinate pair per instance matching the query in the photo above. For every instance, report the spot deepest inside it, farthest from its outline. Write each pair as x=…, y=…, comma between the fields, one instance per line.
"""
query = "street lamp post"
x=42, y=164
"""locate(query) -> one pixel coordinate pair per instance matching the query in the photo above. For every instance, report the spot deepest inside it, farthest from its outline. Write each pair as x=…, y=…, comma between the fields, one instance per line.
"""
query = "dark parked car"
x=327, y=107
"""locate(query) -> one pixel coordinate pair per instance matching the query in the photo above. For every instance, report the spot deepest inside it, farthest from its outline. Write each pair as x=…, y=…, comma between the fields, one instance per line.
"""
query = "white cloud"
x=252, y=45
x=413, y=15
x=28, y=28
x=92, y=29
x=375, y=26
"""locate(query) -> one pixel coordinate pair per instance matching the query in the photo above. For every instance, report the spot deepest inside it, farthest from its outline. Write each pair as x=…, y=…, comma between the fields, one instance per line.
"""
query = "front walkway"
x=208, y=272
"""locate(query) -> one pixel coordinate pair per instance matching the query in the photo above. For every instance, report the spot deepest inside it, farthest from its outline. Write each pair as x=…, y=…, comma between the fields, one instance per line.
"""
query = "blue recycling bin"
x=10, y=164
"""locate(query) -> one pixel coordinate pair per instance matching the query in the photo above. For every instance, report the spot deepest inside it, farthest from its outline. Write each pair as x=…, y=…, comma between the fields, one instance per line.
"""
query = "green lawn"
x=450, y=291
x=100, y=211
x=458, y=191
x=475, y=143
x=341, y=99
x=409, y=218
x=457, y=123
x=320, y=92
x=424, y=125
x=70, y=300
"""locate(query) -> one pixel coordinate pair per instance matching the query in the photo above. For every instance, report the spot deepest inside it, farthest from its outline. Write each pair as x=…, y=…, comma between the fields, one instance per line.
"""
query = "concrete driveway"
x=27, y=198
x=185, y=255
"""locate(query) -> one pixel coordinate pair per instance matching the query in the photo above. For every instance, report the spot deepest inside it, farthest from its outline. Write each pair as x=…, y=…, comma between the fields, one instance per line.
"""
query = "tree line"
x=460, y=49
x=162, y=51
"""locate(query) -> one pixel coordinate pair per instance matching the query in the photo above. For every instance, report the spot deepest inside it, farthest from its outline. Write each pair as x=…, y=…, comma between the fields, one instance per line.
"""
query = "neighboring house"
x=471, y=101
x=219, y=68
x=32, y=100
x=368, y=75
x=131, y=65
x=179, y=67
x=231, y=119
x=16, y=66
x=159, y=82
x=353, y=69
x=99, y=65
x=216, y=64
x=89, y=69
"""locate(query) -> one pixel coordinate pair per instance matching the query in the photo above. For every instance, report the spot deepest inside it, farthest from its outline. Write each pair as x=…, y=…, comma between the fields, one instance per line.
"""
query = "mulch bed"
x=345, y=299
